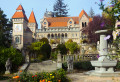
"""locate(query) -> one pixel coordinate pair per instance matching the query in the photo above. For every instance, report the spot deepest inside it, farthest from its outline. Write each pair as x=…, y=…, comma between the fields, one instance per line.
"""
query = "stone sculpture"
x=70, y=64
x=8, y=66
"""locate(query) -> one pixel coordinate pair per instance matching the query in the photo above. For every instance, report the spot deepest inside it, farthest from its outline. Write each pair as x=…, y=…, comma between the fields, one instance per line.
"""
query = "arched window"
x=52, y=36
x=58, y=35
x=82, y=24
x=55, y=36
x=65, y=35
x=17, y=39
x=85, y=24
x=48, y=36
x=62, y=35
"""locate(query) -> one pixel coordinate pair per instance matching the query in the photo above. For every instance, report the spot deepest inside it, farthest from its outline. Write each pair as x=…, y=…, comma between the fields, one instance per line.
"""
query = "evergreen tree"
x=60, y=9
x=91, y=13
x=5, y=28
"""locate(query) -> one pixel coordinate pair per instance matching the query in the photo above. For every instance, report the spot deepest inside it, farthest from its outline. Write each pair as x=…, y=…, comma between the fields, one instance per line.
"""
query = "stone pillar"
x=103, y=45
x=70, y=63
x=103, y=48
x=59, y=61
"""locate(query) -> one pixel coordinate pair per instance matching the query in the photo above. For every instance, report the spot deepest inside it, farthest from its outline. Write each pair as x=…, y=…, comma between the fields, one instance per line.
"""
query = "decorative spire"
x=32, y=18
x=20, y=14
x=81, y=14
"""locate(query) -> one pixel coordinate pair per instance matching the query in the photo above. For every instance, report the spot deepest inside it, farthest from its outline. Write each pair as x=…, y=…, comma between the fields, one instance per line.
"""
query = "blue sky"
x=39, y=7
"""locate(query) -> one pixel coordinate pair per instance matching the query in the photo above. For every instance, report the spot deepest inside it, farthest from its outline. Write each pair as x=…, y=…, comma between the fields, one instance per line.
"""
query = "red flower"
x=35, y=75
x=32, y=76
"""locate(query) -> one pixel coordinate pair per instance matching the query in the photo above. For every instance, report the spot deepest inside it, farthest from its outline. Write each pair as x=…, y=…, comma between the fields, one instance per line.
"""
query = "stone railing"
x=76, y=58
x=58, y=30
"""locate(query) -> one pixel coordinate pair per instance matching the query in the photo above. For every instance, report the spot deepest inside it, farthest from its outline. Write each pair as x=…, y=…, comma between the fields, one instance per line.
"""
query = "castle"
x=25, y=31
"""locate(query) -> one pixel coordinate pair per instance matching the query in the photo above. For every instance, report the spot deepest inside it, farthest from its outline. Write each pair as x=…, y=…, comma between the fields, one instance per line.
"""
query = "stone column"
x=103, y=48
x=59, y=61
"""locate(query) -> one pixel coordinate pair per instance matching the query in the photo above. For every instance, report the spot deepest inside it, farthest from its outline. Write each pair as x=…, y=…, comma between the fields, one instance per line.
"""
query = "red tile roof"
x=32, y=18
x=83, y=12
x=61, y=21
x=20, y=14
x=20, y=8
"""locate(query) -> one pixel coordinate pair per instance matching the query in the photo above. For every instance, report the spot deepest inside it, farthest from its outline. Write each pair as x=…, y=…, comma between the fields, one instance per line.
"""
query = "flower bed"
x=57, y=76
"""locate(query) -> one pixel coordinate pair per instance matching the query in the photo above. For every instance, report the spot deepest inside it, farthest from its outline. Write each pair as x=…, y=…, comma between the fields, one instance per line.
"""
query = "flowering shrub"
x=57, y=76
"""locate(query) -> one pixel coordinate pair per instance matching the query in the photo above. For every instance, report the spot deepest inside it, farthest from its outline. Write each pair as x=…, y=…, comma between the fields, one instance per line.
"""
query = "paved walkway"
x=47, y=66
x=80, y=77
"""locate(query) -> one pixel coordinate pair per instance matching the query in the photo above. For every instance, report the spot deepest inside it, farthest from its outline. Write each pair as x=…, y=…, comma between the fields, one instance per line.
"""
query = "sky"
x=39, y=7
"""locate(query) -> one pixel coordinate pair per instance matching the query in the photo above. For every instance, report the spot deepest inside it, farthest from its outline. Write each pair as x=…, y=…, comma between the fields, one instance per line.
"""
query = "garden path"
x=46, y=66
x=80, y=77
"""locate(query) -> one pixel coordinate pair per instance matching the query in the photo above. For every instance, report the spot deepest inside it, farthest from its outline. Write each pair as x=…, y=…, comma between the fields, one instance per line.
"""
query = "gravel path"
x=80, y=77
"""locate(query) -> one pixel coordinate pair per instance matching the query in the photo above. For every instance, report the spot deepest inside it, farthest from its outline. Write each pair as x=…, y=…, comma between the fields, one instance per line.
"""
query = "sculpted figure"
x=8, y=65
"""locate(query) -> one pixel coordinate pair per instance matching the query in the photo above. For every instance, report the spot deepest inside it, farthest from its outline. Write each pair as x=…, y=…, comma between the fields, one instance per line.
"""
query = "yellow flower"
x=50, y=74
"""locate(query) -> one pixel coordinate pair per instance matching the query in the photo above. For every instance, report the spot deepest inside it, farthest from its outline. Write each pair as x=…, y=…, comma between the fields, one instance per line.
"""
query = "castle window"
x=17, y=40
x=70, y=22
x=72, y=35
x=83, y=24
x=65, y=35
x=76, y=34
x=44, y=23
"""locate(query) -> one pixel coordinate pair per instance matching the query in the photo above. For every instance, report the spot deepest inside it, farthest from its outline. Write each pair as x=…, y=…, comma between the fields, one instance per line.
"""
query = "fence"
x=76, y=58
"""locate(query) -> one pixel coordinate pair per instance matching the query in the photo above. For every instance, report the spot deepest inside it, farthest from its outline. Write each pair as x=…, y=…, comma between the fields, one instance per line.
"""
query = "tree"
x=41, y=49
x=15, y=56
x=114, y=12
x=5, y=28
x=46, y=51
x=72, y=46
x=60, y=9
x=91, y=13
x=70, y=40
x=44, y=40
x=98, y=23
x=62, y=48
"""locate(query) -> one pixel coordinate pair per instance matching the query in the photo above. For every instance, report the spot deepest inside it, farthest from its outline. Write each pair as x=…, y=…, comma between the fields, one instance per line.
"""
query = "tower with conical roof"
x=20, y=29
x=32, y=24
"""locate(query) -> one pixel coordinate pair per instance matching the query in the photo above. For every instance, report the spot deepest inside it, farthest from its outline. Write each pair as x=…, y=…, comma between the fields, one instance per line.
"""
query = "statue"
x=70, y=64
x=8, y=66
x=83, y=51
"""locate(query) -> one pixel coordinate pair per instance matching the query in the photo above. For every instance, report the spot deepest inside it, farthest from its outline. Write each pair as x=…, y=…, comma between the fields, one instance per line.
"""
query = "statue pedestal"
x=59, y=61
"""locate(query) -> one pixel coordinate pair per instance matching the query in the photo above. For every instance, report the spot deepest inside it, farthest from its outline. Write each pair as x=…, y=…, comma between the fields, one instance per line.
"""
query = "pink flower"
x=107, y=37
x=35, y=75
x=32, y=76
x=98, y=56
x=112, y=5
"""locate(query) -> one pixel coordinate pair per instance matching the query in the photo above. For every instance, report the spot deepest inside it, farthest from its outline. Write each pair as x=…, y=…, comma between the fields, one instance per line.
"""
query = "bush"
x=16, y=57
x=82, y=65
x=52, y=77
x=54, y=55
x=118, y=65
x=64, y=66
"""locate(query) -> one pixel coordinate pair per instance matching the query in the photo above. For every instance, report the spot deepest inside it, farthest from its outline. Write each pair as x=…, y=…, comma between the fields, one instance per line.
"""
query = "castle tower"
x=33, y=25
x=20, y=28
